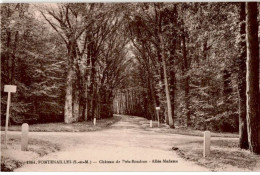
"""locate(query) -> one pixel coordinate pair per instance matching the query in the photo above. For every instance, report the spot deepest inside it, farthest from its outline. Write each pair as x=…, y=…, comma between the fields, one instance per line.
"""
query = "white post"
x=151, y=123
x=24, y=137
x=8, y=89
x=206, y=148
x=94, y=121
x=7, y=117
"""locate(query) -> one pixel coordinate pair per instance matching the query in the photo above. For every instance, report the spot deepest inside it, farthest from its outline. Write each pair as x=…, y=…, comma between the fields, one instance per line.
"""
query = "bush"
x=222, y=123
x=31, y=118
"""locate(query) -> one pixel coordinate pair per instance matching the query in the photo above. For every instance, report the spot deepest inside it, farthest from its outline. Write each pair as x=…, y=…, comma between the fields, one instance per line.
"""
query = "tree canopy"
x=75, y=62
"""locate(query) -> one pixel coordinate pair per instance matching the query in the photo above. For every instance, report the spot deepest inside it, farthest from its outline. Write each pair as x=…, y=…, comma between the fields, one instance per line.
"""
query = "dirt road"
x=126, y=146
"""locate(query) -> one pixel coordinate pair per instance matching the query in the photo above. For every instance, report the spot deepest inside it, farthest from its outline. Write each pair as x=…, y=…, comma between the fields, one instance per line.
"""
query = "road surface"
x=125, y=146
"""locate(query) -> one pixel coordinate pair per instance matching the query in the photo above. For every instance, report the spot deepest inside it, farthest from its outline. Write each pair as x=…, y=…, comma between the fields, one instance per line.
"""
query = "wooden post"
x=151, y=123
x=7, y=117
x=206, y=148
x=9, y=89
x=24, y=137
x=94, y=121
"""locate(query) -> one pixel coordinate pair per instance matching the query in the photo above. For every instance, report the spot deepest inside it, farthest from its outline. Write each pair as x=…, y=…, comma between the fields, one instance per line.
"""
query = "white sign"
x=10, y=88
x=157, y=108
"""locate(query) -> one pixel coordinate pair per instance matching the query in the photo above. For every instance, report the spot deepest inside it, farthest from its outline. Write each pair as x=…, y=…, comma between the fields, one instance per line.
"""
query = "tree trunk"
x=151, y=93
x=167, y=93
x=165, y=113
x=76, y=104
x=187, y=79
x=92, y=89
x=13, y=56
x=153, y=100
x=253, y=117
x=98, y=104
x=8, y=46
x=9, y=58
x=86, y=101
x=68, y=117
x=172, y=90
x=93, y=103
x=243, y=136
x=172, y=50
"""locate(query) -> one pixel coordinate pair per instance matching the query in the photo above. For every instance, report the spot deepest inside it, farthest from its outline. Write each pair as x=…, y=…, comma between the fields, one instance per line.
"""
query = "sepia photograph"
x=130, y=86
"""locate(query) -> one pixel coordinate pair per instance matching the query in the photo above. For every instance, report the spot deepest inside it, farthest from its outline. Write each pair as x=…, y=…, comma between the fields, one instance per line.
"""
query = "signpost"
x=157, y=112
x=9, y=89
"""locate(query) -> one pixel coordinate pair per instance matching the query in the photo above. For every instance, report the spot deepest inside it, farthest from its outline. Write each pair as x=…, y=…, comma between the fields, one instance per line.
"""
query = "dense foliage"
x=201, y=43
x=78, y=61
x=33, y=59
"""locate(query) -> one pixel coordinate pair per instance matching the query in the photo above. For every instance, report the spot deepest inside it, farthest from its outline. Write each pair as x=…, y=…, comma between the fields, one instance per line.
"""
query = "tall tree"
x=187, y=78
x=243, y=137
x=158, y=7
x=72, y=22
x=171, y=29
x=252, y=74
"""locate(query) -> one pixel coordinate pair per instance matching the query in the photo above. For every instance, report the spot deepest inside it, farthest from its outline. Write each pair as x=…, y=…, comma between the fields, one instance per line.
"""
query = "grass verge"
x=164, y=128
x=86, y=126
x=193, y=132
x=225, y=155
x=12, y=157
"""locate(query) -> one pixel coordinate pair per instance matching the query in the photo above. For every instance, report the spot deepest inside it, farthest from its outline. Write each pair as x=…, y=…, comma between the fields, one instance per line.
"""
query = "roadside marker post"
x=157, y=112
x=94, y=121
x=206, y=145
x=9, y=89
x=24, y=137
x=151, y=123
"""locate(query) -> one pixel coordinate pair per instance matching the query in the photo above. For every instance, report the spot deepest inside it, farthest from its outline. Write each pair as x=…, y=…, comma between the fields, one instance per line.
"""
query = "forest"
x=73, y=62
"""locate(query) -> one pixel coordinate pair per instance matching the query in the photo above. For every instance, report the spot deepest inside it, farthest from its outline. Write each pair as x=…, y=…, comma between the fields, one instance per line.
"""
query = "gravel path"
x=125, y=146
